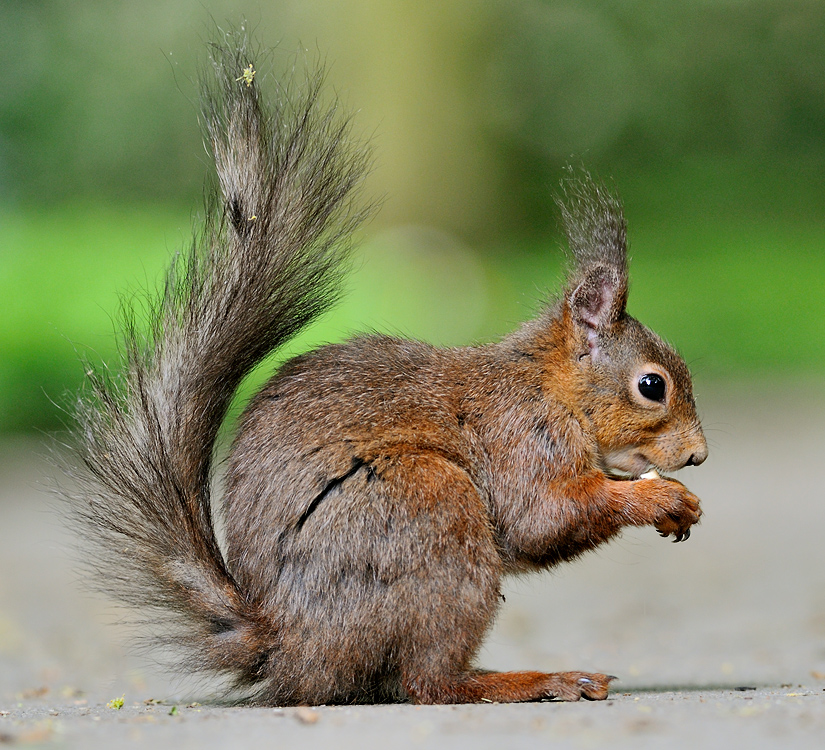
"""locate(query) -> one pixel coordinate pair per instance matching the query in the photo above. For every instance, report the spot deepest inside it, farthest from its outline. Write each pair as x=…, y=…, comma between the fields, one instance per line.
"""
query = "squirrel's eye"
x=652, y=386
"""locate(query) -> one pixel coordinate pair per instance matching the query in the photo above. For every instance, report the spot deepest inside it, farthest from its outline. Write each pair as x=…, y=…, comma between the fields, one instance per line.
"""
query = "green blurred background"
x=707, y=115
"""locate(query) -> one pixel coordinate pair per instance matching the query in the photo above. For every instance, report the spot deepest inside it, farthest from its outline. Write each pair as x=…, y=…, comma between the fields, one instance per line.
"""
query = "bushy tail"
x=266, y=262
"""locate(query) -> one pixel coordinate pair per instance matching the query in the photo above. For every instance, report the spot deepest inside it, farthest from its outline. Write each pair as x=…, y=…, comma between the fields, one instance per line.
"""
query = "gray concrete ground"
x=719, y=641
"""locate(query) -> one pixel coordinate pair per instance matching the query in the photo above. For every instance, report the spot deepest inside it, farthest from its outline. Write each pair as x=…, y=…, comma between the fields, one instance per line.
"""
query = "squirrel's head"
x=636, y=391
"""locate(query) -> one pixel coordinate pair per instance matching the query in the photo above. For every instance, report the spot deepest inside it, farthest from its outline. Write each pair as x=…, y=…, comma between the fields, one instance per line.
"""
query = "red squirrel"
x=377, y=490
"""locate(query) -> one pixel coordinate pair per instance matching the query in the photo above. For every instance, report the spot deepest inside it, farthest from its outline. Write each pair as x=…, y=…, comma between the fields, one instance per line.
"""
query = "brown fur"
x=378, y=490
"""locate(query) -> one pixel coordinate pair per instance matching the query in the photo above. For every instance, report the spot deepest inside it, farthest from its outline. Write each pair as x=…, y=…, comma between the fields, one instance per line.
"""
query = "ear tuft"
x=593, y=221
x=597, y=238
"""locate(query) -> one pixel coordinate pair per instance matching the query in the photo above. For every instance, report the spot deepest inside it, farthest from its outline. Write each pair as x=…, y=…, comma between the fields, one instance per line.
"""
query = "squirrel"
x=377, y=490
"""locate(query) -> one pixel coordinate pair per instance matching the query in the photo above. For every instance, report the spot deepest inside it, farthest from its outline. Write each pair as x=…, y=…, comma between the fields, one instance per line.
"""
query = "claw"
x=687, y=535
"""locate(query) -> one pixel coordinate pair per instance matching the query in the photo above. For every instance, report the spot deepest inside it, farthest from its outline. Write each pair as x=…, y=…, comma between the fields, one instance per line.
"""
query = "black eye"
x=652, y=386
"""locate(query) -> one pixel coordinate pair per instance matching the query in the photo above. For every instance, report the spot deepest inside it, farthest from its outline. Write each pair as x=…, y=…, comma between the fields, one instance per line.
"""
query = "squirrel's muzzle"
x=699, y=452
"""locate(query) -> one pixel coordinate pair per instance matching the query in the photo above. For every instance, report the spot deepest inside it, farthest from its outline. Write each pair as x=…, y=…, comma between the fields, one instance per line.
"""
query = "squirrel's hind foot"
x=513, y=687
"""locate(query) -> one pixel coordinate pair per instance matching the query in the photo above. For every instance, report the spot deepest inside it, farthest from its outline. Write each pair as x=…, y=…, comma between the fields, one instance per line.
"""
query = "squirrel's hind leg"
x=456, y=595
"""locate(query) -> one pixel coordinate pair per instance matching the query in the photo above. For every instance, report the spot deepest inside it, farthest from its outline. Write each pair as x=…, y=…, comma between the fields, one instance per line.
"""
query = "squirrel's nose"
x=697, y=457
x=700, y=449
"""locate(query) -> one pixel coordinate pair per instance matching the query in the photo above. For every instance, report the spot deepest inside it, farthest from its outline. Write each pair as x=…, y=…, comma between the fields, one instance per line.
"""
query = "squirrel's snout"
x=698, y=456
x=698, y=449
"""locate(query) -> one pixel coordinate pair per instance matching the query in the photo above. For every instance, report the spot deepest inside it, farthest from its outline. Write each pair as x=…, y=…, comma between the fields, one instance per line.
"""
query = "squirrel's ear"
x=598, y=300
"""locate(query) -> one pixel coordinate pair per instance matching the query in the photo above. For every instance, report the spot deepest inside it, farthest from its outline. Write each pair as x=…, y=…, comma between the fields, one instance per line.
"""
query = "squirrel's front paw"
x=678, y=509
